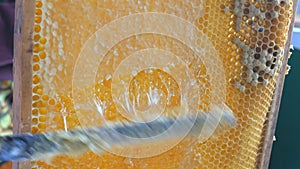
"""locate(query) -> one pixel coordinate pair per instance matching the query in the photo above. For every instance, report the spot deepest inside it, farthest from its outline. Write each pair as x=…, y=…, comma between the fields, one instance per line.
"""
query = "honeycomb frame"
x=23, y=70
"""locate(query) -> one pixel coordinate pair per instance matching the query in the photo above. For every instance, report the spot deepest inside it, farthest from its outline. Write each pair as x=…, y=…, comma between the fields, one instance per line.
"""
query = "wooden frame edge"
x=23, y=41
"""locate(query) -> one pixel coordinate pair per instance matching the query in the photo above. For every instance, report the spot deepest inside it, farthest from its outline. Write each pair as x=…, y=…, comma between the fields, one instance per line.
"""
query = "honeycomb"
x=234, y=58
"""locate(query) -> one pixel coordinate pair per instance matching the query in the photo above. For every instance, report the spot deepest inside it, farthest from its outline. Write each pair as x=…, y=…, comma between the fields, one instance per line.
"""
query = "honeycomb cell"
x=43, y=111
x=35, y=58
x=43, y=40
x=42, y=55
x=45, y=97
x=35, y=112
x=34, y=121
x=35, y=97
x=37, y=19
x=42, y=119
x=36, y=79
x=38, y=12
x=37, y=28
x=52, y=102
x=34, y=129
x=38, y=4
x=36, y=37
x=36, y=67
x=42, y=126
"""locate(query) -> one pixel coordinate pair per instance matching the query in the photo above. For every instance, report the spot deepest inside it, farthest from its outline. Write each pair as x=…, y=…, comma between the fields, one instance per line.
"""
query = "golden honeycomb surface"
x=246, y=40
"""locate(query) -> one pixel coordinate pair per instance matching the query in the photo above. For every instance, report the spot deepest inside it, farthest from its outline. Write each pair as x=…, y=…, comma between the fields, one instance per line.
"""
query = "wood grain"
x=263, y=159
x=23, y=31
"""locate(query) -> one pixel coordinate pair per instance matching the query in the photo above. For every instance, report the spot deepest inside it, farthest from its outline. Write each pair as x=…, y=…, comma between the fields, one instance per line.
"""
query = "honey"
x=247, y=40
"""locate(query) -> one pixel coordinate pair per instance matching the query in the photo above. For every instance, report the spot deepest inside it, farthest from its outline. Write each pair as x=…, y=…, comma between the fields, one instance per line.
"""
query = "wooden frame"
x=23, y=41
x=23, y=38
